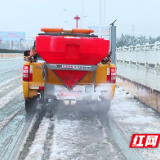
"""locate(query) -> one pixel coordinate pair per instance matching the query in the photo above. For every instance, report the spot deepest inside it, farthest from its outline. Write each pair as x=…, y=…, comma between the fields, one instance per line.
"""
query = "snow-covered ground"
x=77, y=134
x=73, y=133
x=10, y=96
x=80, y=135
x=12, y=114
x=36, y=150
x=134, y=117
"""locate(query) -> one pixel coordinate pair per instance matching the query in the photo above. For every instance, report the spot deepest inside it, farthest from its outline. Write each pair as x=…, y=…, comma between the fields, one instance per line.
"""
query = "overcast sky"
x=31, y=15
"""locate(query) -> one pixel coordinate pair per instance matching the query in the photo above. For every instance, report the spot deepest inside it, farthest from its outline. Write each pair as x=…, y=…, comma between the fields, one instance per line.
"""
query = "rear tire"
x=31, y=105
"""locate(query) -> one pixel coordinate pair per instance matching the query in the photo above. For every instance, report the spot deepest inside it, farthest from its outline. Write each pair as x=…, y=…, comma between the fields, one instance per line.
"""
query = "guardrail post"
x=130, y=61
x=148, y=54
x=146, y=62
x=137, y=59
x=156, y=49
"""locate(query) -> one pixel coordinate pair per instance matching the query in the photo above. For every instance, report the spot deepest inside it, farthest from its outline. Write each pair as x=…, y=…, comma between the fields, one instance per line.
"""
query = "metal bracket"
x=94, y=74
x=112, y=24
x=72, y=67
x=50, y=87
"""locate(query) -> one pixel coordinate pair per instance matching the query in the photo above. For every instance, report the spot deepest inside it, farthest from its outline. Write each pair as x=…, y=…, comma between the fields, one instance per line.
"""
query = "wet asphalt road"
x=81, y=133
x=12, y=114
x=65, y=133
x=73, y=133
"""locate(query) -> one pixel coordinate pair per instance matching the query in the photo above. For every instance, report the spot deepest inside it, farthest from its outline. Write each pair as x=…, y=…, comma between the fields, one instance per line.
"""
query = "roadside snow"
x=10, y=96
x=36, y=151
x=134, y=117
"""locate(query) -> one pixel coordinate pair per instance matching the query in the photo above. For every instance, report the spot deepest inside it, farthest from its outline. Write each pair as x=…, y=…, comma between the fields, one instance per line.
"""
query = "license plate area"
x=70, y=94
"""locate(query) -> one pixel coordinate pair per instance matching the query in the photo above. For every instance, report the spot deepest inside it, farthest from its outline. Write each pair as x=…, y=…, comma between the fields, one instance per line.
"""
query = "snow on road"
x=10, y=96
x=5, y=88
x=7, y=120
x=12, y=113
x=9, y=81
x=134, y=117
x=77, y=134
x=36, y=151
x=2, y=73
x=80, y=135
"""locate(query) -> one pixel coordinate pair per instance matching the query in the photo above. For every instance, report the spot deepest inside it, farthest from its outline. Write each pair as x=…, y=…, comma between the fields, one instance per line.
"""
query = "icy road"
x=70, y=132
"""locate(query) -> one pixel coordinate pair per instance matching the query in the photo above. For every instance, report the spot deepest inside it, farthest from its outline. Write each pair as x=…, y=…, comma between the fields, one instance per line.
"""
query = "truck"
x=71, y=67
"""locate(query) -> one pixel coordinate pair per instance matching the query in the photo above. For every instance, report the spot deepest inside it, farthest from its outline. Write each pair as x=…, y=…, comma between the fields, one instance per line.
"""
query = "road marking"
x=8, y=119
x=10, y=96
x=36, y=150
x=10, y=70
x=5, y=88
x=9, y=80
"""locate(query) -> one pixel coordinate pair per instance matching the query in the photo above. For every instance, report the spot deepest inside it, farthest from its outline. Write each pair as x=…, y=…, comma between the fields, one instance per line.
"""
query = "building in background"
x=12, y=40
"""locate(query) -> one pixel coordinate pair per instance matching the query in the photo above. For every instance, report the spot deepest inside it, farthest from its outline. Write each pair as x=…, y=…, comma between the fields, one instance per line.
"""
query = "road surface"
x=73, y=132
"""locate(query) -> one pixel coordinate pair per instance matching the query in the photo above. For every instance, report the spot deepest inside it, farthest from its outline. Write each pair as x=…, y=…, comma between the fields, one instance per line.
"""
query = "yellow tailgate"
x=100, y=76
x=37, y=79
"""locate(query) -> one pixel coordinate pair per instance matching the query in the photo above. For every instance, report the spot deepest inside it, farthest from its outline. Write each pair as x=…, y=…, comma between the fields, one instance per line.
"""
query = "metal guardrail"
x=147, y=55
x=11, y=51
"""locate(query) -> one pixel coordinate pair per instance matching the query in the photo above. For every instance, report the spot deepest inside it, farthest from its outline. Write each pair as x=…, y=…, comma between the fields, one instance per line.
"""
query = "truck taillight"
x=108, y=75
x=30, y=73
x=25, y=73
x=112, y=75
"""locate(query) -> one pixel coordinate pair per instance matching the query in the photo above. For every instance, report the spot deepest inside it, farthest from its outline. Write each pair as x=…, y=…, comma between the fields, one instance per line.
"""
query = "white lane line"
x=9, y=59
x=10, y=96
x=8, y=119
x=9, y=80
x=36, y=150
x=6, y=71
x=23, y=138
x=5, y=88
x=10, y=70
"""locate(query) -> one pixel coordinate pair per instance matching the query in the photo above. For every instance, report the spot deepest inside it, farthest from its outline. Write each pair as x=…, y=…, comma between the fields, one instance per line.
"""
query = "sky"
x=31, y=15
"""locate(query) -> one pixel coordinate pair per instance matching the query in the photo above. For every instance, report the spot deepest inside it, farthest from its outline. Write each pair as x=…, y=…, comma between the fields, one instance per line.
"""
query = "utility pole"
x=82, y=12
x=104, y=19
x=133, y=28
x=100, y=10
